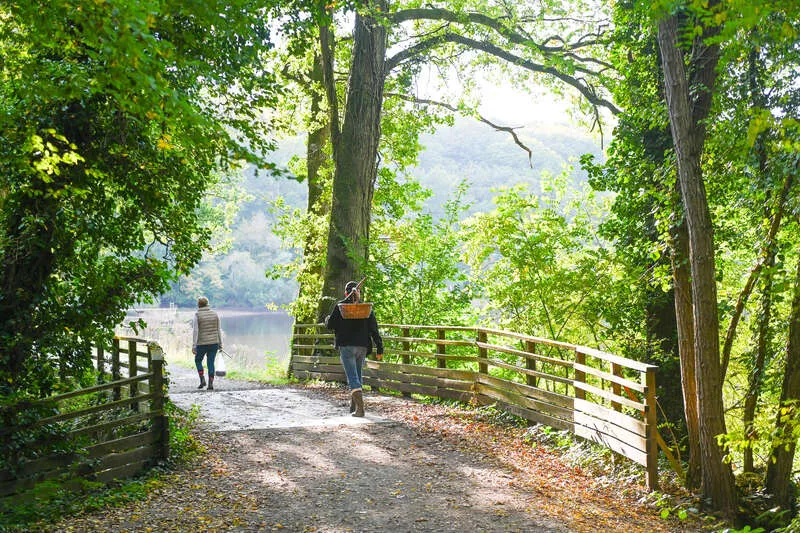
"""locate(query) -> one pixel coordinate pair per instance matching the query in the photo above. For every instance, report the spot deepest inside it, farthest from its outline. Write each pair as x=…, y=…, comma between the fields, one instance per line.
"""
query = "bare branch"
x=480, y=117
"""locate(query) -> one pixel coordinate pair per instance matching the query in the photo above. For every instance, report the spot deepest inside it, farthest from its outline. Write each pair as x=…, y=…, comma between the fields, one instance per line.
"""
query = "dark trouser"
x=209, y=350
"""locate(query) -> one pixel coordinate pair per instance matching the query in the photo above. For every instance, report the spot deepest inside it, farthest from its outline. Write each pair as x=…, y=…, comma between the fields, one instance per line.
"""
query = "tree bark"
x=779, y=469
x=687, y=114
x=684, y=315
x=356, y=166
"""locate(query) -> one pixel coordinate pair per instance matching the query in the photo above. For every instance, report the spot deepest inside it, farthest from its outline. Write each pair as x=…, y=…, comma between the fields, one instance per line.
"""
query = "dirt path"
x=407, y=467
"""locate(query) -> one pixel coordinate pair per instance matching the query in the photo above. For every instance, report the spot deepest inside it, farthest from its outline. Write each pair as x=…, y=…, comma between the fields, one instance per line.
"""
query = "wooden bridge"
x=596, y=395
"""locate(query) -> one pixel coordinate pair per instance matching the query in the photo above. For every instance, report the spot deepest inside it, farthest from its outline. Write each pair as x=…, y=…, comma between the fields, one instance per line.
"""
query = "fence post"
x=483, y=368
x=440, y=350
x=651, y=429
x=580, y=376
x=160, y=422
x=115, y=376
x=133, y=371
x=616, y=388
x=530, y=363
x=406, y=333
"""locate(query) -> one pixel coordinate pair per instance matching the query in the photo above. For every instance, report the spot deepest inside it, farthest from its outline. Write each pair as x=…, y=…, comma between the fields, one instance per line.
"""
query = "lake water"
x=253, y=338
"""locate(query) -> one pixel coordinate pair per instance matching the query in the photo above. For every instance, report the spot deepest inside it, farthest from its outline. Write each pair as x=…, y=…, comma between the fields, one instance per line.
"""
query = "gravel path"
x=389, y=472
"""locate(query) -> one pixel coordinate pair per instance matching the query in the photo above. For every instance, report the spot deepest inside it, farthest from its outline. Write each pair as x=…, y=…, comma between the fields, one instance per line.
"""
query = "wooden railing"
x=596, y=395
x=112, y=430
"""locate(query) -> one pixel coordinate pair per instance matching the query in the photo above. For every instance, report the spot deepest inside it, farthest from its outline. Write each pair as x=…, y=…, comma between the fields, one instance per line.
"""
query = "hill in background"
x=470, y=151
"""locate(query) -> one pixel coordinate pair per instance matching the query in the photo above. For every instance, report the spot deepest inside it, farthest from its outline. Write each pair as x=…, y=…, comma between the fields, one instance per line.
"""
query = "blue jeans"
x=209, y=350
x=353, y=360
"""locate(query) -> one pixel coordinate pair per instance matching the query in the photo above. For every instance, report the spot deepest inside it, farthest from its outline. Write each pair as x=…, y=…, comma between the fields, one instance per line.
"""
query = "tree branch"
x=327, y=56
x=496, y=51
x=480, y=117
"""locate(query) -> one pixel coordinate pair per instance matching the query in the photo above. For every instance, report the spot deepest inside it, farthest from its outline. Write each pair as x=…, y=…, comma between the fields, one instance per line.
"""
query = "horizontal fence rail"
x=112, y=430
x=596, y=395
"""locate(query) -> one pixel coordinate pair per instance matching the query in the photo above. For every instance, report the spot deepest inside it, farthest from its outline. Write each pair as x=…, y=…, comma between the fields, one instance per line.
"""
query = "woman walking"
x=206, y=340
x=353, y=337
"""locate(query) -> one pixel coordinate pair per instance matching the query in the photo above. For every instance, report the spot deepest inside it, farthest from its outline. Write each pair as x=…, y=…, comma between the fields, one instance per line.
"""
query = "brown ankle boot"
x=358, y=400
x=202, y=381
x=210, y=382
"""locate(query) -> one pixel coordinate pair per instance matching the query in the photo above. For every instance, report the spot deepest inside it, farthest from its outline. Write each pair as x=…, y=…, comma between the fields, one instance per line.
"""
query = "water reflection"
x=253, y=338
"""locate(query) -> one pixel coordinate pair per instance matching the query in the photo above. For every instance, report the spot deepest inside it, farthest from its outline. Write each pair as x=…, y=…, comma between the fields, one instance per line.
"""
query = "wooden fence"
x=596, y=395
x=109, y=431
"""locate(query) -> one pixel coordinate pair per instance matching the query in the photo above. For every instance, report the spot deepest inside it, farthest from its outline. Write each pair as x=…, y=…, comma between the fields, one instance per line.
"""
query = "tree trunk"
x=317, y=160
x=683, y=312
x=686, y=122
x=779, y=469
x=356, y=158
x=757, y=372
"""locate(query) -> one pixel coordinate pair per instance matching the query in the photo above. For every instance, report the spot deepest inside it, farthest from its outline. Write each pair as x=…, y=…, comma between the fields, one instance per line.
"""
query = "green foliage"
x=411, y=283
x=538, y=262
x=116, y=117
x=183, y=445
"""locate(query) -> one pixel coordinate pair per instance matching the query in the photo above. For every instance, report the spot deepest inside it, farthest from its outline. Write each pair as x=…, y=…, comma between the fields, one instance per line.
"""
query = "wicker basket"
x=352, y=311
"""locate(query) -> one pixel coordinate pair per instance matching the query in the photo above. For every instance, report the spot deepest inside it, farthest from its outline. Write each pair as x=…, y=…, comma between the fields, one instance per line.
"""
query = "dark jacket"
x=354, y=331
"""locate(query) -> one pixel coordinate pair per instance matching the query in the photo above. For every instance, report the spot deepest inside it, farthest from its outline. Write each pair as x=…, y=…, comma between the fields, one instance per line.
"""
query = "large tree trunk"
x=356, y=158
x=687, y=114
x=684, y=315
x=779, y=469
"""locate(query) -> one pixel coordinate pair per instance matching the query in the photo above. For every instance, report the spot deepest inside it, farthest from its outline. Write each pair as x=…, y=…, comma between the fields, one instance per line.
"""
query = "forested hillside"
x=233, y=275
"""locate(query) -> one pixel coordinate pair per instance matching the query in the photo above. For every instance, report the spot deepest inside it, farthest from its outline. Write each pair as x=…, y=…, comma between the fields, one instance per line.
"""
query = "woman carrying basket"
x=353, y=339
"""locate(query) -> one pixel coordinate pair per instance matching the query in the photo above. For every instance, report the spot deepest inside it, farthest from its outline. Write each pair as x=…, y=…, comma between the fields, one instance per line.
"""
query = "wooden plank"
x=115, y=460
x=611, y=358
x=523, y=401
x=424, y=340
x=426, y=328
x=604, y=413
x=451, y=373
x=607, y=428
x=527, y=355
x=117, y=423
x=618, y=380
x=317, y=359
x=313, y=347
x=529, y=414
x=430, y=355
x=311, y=367
x=313, y=336
x=608, y=395
x=117, y=445
x=324, y=376
x=526, y=390
x=430, y=381
x=39, y=467
x=520, y=336
x=123, y=472
x=459, y=396
x=134, y=339
x=401, y=387
x=524, y=371
x=91, y=390
x=613, y=444
x=91, y=410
